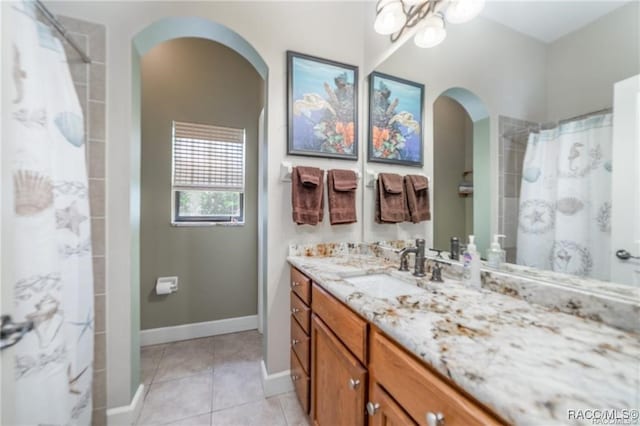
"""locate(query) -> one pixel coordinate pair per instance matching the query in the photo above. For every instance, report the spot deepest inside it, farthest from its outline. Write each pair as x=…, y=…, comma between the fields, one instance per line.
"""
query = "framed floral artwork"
x=395, y=120
x=322, y=106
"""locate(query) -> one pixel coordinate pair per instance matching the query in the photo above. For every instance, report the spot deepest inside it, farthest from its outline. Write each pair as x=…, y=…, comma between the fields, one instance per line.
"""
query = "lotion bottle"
x=496, y=256
x=472, y=264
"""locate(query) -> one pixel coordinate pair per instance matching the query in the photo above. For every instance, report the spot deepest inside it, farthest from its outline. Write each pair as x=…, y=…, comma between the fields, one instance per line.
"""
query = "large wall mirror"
x=534, y=104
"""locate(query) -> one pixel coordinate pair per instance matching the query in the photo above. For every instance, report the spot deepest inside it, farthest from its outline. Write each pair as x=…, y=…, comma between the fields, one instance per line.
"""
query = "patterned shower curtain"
x=52, y=241
x=565, y=200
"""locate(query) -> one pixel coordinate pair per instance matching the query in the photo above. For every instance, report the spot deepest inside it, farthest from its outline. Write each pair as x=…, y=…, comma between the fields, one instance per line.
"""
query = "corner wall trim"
x=127, y=414
x=155, y=336
x=275, y=384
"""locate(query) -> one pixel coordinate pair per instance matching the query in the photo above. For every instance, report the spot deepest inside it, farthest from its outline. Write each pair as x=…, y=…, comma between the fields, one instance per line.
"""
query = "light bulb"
x=460, y=11
x=431, y=33
x=390, y=19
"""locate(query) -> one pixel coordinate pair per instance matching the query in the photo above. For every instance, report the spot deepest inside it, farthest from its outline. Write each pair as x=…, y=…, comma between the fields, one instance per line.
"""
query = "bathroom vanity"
x=372, y=344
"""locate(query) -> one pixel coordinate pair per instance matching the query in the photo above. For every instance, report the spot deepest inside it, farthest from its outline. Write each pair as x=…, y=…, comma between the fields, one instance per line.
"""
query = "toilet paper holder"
x=166, y=285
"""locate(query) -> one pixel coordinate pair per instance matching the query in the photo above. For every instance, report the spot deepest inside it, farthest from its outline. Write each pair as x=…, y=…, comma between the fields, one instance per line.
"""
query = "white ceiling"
x=548, y=20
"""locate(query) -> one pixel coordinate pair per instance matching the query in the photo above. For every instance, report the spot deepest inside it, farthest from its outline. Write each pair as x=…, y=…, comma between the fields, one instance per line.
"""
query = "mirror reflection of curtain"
x=565, y=202
x=52, y=238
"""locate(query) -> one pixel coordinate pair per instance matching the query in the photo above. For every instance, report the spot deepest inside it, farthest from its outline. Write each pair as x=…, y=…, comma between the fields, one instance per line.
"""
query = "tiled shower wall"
x=90, y=86
x=514, y=134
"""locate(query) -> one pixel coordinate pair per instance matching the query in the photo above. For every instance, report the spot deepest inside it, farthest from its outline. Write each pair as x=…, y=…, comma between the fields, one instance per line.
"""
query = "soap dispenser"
x=496, y=256
x=471, y=268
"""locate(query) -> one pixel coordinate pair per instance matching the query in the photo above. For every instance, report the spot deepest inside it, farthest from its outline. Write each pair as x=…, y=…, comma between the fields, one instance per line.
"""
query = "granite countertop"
x=528, y=363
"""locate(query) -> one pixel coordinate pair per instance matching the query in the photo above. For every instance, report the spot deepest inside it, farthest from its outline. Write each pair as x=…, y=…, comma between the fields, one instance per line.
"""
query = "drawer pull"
x=435, y=419
x=295, y=284
x=295, y=342
x=372, y=408
x=295, y=310
x=353, y=383
x=294, y=377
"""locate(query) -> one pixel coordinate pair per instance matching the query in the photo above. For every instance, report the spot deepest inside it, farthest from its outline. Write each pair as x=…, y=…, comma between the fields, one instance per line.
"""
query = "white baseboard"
x=275, y=384
x=155, y=336
x=128, y=414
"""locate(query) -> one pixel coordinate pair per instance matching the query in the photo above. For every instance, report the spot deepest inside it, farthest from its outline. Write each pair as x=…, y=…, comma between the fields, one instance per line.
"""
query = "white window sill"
x=205, y=224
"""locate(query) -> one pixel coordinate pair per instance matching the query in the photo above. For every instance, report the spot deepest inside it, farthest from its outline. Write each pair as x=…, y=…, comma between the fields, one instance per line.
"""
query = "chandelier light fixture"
x=394, y=17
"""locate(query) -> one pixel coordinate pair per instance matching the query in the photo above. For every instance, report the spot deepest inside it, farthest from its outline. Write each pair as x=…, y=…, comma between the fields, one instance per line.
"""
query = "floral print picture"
x=322, y=106
x=395, y=120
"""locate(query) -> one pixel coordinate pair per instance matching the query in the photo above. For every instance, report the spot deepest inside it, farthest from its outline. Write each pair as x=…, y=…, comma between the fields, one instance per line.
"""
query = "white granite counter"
x=529, y=363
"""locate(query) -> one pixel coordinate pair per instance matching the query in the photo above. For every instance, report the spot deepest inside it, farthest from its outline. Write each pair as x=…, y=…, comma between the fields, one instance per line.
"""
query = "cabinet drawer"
x=301, y=312
x=344, y=323
x=301, y=285
x=300, y=382
x=300, y=344
x=418, y=390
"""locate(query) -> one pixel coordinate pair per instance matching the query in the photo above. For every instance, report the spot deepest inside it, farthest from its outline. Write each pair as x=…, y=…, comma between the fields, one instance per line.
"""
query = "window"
x=208, y=173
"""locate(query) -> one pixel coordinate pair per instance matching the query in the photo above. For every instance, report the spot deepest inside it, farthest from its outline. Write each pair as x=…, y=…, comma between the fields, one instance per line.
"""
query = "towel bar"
x=286, y=168
x=372, y=177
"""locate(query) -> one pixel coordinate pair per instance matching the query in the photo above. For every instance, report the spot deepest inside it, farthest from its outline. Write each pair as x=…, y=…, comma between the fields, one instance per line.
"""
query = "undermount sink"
x=383, y=286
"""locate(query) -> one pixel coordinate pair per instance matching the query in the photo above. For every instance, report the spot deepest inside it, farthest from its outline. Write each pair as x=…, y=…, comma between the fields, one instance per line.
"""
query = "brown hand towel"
x=417, y=189
x=391, y=204
x=307, y=195
x=341, y=187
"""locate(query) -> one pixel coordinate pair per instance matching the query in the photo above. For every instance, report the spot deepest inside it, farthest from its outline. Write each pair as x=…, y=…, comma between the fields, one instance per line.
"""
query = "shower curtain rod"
x=62, y=30
x=589, y=114
x=551, y=125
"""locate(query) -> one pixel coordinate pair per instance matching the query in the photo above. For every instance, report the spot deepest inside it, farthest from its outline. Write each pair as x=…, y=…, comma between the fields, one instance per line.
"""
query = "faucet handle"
x=438, y=251
x=420, y=242
x=404, y=264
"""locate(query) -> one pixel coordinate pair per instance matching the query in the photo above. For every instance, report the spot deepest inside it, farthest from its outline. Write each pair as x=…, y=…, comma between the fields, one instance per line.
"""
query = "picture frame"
x=322, y=107
x=396, y=121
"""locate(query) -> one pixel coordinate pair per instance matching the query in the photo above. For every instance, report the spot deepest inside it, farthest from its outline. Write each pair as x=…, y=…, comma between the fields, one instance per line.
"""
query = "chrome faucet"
x=418, y=250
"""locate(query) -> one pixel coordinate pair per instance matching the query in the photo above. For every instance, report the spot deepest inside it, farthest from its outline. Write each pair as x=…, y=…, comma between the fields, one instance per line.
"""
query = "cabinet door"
x=339, y=381
x=384, y=410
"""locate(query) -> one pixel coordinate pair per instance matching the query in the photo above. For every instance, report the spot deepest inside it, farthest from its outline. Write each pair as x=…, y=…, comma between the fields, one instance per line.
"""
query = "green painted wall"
x=191, y=79
x=452, y=138
x=482, y=184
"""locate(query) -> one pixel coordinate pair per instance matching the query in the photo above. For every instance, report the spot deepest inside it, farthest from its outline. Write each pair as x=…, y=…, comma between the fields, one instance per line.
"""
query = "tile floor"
x=212, y=381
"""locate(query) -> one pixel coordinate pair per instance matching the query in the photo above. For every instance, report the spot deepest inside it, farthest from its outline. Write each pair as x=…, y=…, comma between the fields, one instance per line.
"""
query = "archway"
x=153, y=35
x=472, y=139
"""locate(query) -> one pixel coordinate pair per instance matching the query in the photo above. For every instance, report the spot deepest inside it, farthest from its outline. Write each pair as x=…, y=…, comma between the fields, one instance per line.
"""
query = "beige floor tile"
x=266, y=412
x=184, y=359
x=236, y=384
x=177, y=399
x=231, y=348
x=292, y=410
x=202, y=420
x=150, y=357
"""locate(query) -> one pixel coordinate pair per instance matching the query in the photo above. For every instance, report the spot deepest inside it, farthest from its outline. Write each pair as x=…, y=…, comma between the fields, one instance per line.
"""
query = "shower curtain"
x=565, y=199
x=53, y=279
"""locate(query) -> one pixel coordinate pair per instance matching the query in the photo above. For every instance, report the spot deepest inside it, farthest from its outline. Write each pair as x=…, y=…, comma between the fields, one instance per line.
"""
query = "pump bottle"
x=496, y=256
x=471, y=257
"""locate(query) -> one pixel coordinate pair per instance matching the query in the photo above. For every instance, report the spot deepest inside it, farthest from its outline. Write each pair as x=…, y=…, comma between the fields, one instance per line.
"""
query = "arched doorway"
x=462, y=183
x=153, y=35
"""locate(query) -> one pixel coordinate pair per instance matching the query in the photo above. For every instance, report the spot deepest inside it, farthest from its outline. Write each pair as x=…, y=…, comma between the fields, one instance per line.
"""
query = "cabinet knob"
x=435, y=419
x=353, y=383
x=294, y=377
x=372, y=408
x=295, y=342
x=295, y=284
x=295, y=310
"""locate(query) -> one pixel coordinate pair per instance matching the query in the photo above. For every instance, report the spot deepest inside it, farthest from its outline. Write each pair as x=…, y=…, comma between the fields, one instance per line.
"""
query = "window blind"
x=208, y=157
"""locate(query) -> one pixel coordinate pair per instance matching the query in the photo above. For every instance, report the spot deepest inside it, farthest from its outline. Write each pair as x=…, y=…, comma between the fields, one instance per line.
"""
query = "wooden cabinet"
x=300, y=340
x=422, y=394
x=342, y=321
x=383, y=410
x=338, y=380
x=331, y=348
